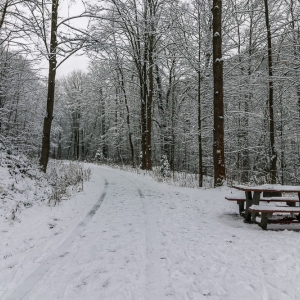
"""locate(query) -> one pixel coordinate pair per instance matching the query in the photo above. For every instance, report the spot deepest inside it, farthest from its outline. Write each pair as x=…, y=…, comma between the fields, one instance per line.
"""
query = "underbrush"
x=23, y=185
x=66, y=178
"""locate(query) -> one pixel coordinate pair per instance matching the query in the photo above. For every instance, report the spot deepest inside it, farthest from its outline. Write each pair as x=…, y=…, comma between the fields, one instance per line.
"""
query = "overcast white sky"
x=70, y=8
x=73, y=63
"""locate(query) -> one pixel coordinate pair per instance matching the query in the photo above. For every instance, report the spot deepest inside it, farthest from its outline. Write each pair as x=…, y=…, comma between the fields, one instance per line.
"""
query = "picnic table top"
x=268, y=188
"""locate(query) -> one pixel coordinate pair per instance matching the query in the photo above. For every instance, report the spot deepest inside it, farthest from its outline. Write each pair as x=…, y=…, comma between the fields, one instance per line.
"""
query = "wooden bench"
x=290, y=201
x=268, y=210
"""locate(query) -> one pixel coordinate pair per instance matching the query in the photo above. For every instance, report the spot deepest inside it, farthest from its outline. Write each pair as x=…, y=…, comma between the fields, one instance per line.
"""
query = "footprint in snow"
x=7, y=256
x=51, y=226
x=105, y=283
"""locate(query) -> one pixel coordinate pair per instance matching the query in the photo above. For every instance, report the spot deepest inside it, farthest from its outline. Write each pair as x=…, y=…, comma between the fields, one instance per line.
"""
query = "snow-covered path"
x=128, y=237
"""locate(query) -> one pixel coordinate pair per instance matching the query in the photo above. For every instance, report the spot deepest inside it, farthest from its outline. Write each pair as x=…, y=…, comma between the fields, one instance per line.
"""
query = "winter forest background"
x=159, y=53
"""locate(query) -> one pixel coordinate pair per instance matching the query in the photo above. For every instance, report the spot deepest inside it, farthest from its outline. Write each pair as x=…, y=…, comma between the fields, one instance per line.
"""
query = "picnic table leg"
x=299, y=205
x=241, y=206
x=256, y=198
x=264, y=221
x=248, y=204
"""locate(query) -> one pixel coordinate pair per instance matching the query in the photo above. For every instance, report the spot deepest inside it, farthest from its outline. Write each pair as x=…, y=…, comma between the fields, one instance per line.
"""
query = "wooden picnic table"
x=252, y=195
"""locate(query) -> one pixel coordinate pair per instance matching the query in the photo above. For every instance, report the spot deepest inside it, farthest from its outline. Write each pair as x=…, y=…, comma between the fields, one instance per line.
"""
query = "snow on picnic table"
x=127, y=237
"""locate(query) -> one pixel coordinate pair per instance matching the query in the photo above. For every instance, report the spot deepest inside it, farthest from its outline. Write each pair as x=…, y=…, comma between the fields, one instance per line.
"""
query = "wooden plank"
x=235, y=199
x=256, y=199
x=264, y=221
x=241, y=207
x=249, y=202
x=266, y=199
x=279, y=199
x=268, y=188
x=284, y=221
x=273, y=208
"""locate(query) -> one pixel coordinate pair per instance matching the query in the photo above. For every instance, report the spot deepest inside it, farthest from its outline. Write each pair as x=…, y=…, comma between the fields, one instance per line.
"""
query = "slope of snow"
x=127, y=237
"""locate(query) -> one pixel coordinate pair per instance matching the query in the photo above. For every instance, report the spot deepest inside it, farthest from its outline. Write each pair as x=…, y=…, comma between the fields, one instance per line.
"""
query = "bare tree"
x=218, y=143
x=273, y=153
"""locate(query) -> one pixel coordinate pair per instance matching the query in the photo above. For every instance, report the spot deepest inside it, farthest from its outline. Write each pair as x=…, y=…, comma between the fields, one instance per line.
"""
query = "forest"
x=148, y=97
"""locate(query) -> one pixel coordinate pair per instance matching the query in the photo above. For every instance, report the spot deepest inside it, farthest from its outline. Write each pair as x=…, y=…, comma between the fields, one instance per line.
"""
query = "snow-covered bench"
x=290, y=201
x=268, y=210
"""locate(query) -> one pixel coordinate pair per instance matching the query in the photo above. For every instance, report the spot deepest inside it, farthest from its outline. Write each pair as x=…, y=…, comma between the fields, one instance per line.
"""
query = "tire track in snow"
x=28, y=284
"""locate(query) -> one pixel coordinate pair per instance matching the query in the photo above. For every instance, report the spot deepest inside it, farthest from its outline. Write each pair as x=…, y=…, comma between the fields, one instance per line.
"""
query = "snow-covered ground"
x=127, y=237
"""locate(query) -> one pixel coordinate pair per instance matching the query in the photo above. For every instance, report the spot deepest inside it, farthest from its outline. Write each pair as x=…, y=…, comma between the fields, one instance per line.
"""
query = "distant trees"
x=20, y=105
x=149, y=93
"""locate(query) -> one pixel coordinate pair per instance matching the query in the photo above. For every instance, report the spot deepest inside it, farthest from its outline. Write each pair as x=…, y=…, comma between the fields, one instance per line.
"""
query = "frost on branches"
x=165, y=166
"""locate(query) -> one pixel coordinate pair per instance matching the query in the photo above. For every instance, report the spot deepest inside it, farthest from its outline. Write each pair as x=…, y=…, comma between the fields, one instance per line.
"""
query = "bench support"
x=241, y=206
x=248, y=204
x=256, y=198
x=264, y=221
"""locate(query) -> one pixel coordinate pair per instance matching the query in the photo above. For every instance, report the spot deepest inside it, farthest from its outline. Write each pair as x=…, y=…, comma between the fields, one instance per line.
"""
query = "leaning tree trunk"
x=273, y=153
x=4, y=11
x=218, y=143
x=51, y=89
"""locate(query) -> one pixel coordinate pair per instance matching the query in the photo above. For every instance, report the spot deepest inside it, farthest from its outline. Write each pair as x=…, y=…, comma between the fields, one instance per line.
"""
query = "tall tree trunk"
x=218, y=143
x=51, y=89
x=143, y=114
x=200, y=156
x=149, y=107
x=295, y=32
x=59, y=146
x=103, y=126
x=127, y=116
x=164, y=140
x=4, y=11
x=273, y=153
x=82, y=145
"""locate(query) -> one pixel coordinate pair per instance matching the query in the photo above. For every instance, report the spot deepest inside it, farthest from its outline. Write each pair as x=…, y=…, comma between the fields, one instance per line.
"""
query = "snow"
x=126, y=236
x=271, y=187
x=267, y=208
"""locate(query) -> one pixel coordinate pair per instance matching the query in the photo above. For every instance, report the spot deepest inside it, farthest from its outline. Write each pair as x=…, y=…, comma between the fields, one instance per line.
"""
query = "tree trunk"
x=128, y=120
x=149, y=107
x=51, y=89
x=200, y=156
x=218, y=144
x=3, y=14
x=103, y=126
x=273, y=153
x=143, y=114
x=59, y=146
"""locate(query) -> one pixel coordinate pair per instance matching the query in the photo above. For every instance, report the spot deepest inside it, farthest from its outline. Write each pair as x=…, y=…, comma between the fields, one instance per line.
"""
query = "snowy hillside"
x=128, y=237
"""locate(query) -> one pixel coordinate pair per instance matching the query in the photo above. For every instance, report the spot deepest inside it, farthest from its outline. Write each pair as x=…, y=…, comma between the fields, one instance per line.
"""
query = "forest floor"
x=127, y=237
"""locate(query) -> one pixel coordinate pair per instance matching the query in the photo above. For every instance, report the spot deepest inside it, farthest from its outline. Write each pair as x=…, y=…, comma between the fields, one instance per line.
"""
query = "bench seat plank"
x=279, y=199
x=274, y=208
x=266, y=199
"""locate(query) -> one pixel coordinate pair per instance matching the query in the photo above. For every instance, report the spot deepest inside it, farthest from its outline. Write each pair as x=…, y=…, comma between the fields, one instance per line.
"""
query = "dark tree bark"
x=200, y=155
x=144, y=113
x=148, y=85
x=59, y=152
x=3, y=14
x=127, y=116
x=273, y=153
x=149, y=105
x=218, y=143
x=103, y=124
x=51, y=89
